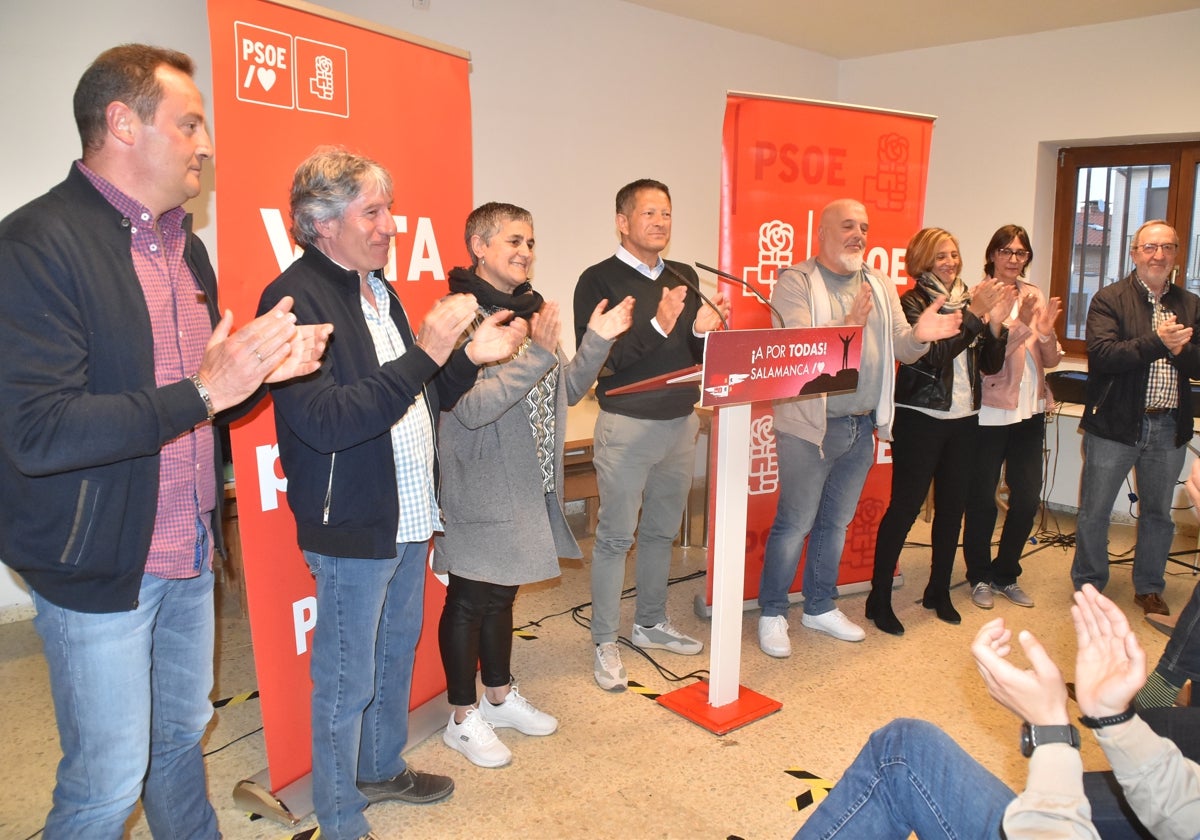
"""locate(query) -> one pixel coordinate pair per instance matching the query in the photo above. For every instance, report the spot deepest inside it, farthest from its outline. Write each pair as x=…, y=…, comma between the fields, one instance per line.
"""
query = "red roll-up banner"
x=783, y=160
x=287, y=79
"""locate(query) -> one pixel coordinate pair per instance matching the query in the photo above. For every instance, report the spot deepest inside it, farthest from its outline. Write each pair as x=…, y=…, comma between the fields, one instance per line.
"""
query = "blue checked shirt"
x=412, y=434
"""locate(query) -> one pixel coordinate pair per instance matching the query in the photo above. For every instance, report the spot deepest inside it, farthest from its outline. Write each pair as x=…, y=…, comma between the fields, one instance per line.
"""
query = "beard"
x=849, y=263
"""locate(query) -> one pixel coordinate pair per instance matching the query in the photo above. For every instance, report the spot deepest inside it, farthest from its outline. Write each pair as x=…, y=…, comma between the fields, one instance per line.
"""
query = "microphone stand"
x=742, y=282
x=696, y=288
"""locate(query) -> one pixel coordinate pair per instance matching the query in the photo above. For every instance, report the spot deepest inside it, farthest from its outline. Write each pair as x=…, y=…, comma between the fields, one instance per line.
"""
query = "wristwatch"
x=1033, y=737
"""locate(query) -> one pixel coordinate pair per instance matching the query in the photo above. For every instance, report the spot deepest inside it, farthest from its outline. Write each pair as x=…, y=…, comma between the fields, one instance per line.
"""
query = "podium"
x=741, y=367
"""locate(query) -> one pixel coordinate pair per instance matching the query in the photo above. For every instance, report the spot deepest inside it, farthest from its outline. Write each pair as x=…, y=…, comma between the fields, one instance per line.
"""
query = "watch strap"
x=1033, y=737
x=1111, y=720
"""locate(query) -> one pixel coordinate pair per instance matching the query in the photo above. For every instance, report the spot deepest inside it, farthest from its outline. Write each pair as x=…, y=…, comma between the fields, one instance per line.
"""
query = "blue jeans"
x=911, y=777
x=646, y=466
x=131, y=698
x=1181, y=660
x=818, y=493
x=368, y=623
x=1156, y=462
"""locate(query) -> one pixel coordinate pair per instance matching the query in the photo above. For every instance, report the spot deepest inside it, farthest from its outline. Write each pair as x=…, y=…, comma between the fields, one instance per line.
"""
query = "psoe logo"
x=264, y=65
x=322, y=78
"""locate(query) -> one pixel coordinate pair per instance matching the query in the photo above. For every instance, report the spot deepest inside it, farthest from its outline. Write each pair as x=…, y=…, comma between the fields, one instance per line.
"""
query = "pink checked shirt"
x=187, y=494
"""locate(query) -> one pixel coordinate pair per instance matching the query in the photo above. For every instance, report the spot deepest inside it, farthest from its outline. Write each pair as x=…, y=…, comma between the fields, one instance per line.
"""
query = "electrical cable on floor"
x=584, y=621
x=231, y=743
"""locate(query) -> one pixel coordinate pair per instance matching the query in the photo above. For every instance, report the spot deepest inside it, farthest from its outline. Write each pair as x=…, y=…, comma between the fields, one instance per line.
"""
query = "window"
x=1104, y=194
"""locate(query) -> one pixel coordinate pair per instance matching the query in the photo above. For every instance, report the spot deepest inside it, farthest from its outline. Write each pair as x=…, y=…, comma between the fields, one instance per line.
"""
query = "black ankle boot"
x=939, y=602
x=879, y=610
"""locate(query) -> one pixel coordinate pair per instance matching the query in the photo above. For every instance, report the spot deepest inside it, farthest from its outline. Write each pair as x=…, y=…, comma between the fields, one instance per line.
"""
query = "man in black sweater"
x=644, y=442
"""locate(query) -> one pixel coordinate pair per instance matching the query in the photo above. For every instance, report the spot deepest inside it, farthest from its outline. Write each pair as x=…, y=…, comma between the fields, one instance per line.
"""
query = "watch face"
x=1026, y=740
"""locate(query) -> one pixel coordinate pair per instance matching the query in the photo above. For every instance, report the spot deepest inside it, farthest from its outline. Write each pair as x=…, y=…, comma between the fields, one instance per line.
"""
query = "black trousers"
x=926, y=450
x=476, y=628
x=1017, y=448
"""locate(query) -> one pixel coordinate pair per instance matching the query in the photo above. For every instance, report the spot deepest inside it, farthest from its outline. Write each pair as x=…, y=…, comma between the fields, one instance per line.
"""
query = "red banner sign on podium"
x=740, y=366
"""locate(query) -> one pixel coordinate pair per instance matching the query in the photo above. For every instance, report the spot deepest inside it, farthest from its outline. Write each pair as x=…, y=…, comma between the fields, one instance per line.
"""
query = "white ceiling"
x=873, y=27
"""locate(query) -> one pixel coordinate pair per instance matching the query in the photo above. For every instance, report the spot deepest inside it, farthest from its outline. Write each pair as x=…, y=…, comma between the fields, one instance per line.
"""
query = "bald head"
x=842, y=236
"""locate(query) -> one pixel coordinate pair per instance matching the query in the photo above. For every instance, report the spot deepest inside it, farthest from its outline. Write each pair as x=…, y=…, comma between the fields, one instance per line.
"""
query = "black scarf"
x=523, y=301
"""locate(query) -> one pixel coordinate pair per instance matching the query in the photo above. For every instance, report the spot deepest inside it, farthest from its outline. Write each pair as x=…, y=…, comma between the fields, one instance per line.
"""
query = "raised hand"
x=709, y=319
x=269, y=348
x=610, y=324
x=545, y=327
x=861, y=308
x=1002, y=310
x=670, y=306
x=986, y=295
x=1173, y=334
x=1110, y=666
x=1029, y=306
x=443, y=324
x=1036, y=694
x=1047, y=315
x=932, y=325
x=305, y=352
x=494, y=340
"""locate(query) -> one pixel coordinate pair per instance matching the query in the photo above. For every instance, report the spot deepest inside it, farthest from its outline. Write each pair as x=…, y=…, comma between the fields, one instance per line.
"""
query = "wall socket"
x=423, y=5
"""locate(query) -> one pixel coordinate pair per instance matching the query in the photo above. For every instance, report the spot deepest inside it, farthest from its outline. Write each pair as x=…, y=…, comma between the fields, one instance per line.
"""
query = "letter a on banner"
x=783, y=160
x=286, y=80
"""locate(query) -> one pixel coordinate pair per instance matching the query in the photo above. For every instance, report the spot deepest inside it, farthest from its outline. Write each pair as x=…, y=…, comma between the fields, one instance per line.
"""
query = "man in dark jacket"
x=116, y=363
x=357, y=443
x=1143, y=347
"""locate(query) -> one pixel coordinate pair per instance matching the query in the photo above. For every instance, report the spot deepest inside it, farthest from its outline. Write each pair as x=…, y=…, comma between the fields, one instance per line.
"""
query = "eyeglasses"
x=1151, y=248
x=1009, y=253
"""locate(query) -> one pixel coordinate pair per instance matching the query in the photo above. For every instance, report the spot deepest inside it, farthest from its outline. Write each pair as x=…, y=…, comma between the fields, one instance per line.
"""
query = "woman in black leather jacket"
x=937, y=398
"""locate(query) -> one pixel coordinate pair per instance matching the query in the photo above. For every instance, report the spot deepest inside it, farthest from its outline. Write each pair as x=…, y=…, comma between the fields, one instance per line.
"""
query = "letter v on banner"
x=286, y=79
x=783, y=160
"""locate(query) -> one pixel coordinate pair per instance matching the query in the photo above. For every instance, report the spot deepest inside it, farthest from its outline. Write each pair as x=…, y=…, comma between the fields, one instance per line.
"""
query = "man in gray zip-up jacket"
x=826, y=444
x=356, y=441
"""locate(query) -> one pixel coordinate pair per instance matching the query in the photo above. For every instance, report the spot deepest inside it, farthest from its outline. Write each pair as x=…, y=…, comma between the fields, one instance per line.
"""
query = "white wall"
x=1004, y=106
x=570, y=100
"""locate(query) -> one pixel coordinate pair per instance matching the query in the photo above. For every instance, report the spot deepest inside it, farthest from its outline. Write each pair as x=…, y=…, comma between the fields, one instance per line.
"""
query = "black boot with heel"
x=939, y=601
x=879, y=609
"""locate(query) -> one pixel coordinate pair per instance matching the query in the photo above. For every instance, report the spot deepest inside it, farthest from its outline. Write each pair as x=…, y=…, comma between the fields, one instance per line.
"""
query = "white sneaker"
x=664, y=636
x=517, y=713
x=610, y=673
x=475, y=739
x=773, y=636
x=835, y=624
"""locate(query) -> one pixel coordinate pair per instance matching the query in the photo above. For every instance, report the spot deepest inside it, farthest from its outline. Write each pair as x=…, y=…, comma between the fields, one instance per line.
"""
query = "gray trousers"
x=646, y=466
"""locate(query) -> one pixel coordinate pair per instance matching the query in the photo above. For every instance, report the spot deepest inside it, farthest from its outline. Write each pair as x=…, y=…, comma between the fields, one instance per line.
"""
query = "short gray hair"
x=486, y=220
x=326, y=183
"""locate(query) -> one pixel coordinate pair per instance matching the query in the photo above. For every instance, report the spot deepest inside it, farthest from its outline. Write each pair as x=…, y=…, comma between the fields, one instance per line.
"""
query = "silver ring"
x=259, y=355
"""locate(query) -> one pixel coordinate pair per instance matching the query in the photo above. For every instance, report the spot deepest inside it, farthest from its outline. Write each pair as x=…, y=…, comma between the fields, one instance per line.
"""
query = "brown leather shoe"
x=1152, y=602
x=410, y=786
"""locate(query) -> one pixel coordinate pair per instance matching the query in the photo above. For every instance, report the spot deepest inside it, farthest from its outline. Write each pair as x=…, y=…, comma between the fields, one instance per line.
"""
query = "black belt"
x=1160, y=410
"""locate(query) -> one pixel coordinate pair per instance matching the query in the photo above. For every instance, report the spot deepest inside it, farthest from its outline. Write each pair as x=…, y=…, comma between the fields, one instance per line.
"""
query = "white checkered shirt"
x=412, y=434
x=1162, y=389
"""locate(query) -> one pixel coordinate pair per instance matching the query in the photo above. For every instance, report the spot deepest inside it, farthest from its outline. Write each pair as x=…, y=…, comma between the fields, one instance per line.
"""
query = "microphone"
x=742, y=282
x=695, y=288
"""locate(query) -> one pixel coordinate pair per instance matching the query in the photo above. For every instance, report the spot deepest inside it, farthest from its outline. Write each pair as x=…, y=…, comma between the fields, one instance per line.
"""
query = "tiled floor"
x=621, y=765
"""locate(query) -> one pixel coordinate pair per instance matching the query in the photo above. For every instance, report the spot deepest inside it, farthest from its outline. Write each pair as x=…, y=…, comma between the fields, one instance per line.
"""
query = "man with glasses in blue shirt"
x=1142, y=346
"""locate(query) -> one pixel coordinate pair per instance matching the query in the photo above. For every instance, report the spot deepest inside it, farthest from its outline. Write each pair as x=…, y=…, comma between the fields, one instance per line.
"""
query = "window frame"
x=1182, y=157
